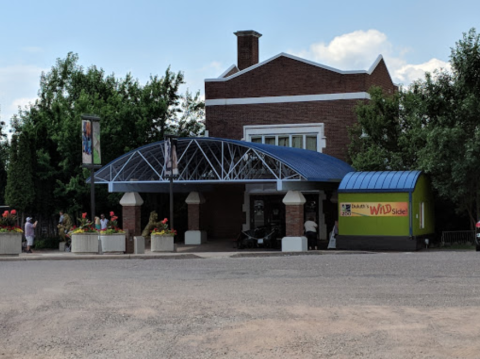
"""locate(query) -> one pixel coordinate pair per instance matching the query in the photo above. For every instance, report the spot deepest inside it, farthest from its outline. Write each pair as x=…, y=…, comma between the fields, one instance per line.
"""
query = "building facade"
x=288, y=101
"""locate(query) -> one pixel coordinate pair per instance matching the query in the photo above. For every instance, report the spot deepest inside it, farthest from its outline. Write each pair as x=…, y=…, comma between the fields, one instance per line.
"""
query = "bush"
x=46, y=243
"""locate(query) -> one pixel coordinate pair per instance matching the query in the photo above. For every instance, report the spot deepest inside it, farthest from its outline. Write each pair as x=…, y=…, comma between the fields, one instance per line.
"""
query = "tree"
x=19, y=192
x=131, y=115
x=389, y=132
x=3, y=162
x=433, y=126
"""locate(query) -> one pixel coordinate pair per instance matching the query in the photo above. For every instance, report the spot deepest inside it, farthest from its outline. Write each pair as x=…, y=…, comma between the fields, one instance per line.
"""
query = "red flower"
x=112, y=214
x=13, y=211
x=84, y=215
x=165, y=220
x=5, y=214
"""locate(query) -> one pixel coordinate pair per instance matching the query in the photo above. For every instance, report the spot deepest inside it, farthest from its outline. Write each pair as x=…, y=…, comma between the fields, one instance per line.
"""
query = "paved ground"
x=382, y=305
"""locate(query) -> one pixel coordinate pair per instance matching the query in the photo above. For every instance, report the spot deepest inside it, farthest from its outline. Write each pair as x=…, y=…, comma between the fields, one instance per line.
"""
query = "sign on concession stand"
x=391, y=210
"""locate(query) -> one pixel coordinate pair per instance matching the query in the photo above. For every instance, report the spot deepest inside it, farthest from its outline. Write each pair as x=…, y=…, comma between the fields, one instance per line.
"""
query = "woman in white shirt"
x=311, y=232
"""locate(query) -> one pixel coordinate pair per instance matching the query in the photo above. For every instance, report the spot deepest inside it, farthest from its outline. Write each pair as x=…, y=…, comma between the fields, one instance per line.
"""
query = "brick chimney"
x=247, y=48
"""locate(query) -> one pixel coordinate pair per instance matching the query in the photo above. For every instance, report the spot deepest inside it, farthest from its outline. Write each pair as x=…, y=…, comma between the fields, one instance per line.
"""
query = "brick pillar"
x=194, y=235
x=294, y=201
x=131, y=214
x=193, y=217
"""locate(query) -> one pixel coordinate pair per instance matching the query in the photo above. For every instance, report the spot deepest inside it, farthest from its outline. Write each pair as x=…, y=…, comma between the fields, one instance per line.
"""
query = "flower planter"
x=162, y=244
x=10, y=243
x=113, y=242
x=85, y=243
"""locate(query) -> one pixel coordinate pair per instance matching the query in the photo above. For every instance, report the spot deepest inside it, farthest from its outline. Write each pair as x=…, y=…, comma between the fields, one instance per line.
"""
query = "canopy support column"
x=194, y=236
x=131, y=214
x=294, y=241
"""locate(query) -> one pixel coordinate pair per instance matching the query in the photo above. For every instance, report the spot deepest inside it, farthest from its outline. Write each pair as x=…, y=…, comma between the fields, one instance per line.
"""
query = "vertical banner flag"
x=91, y=142
x=86, y=142
x=97, y=158
x=171, y=157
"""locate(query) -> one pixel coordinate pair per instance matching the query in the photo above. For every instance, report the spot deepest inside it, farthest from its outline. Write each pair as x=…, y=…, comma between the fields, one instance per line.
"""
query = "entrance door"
x=267, y=211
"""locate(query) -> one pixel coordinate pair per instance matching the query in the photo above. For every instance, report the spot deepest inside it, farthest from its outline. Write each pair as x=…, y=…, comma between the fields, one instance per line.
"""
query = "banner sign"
x=87, y=142
x=171, y=157
x=91, y=142
x=374, y=209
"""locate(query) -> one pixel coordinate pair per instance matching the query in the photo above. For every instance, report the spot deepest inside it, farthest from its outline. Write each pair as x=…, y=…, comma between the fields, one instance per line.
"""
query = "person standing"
x=311, y=232
x=30, y=233
x=97, y=223
x=103, y=222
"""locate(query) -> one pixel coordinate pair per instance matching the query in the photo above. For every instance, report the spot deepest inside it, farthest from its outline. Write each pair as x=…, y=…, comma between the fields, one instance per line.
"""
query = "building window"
x=306, y=136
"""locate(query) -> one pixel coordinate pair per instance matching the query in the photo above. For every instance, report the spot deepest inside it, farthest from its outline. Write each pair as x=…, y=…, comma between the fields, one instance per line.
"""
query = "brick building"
x=288, y=101
x=300, y=107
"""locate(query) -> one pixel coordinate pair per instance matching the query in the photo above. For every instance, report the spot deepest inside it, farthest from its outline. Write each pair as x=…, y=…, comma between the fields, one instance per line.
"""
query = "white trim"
x=284, y=99
x=227, y=71
x=305, y=129
x=372, y=68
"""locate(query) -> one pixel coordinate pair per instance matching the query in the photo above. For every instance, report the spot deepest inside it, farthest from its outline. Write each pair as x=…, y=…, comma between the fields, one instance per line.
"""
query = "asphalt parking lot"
x=377, y=305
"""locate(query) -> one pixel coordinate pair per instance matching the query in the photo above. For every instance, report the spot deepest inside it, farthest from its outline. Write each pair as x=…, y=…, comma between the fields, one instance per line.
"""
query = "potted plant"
x=162, y=238
x=10, y=234
x=112, y=237
x=84, y=237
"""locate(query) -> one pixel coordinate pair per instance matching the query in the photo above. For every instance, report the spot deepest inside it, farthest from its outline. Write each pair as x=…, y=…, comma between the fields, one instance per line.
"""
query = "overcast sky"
x=196, y=37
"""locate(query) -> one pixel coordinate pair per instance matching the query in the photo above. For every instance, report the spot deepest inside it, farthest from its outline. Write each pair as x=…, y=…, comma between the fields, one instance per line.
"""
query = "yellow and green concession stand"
x=390, y=210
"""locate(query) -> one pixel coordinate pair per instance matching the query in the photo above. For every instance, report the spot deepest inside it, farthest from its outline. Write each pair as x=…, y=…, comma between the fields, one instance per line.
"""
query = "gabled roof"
x=384, y=181
x=223, y=78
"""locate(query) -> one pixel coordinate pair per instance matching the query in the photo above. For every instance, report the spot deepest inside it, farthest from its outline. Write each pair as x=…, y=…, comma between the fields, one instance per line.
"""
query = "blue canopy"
x=208, y=160
x=384, y=181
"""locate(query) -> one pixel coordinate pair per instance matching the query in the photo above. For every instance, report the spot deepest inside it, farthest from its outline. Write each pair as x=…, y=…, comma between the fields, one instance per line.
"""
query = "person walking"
x=30, y=233
x=311, y=232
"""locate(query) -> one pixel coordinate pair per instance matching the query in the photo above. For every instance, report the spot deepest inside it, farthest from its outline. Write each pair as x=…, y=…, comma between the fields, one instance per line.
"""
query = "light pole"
x=171, y=168
x=94, y=126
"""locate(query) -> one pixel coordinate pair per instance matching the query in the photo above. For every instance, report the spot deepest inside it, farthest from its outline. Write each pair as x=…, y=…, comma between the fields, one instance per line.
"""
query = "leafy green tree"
x=452, y=148
x=132, y=115
x=19, y=192
x=432, y=126
x=389, y=132
x=3, y=162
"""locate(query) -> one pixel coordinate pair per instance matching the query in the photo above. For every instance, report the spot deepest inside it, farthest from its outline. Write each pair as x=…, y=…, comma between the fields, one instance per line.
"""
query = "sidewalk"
x=209, y=250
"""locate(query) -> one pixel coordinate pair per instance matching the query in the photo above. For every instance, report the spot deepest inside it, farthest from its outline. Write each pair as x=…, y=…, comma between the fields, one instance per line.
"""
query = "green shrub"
x=46, y=243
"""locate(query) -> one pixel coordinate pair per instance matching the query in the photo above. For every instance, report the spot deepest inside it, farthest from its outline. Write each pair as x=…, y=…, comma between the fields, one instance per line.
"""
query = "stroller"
x=260, y=237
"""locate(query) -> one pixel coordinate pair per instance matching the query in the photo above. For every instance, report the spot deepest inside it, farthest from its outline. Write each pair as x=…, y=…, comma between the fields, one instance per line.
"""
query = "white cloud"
x=409, y=73
x=359, y=49
x=19, y=86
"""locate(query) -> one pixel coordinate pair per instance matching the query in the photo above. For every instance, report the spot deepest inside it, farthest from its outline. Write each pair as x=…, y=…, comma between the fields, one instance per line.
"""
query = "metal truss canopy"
x=207, y=160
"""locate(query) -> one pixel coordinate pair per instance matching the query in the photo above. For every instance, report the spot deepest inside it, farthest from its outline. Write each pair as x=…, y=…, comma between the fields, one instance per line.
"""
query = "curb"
x=96, y=257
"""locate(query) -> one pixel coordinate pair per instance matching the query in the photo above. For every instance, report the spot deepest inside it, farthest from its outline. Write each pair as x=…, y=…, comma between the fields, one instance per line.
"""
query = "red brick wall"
x=294, y=221
x=193, y=217
x=380, y=77
x=247, y=51
x=131, y=219
x=286, y=77
x=228, y=121
x=131, y=216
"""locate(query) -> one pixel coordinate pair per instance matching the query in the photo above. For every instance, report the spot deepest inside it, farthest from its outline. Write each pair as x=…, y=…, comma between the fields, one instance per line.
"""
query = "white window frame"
x=310, y=129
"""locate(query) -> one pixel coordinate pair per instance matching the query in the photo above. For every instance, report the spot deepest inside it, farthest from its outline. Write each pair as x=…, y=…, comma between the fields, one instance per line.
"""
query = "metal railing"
x=450, y=238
